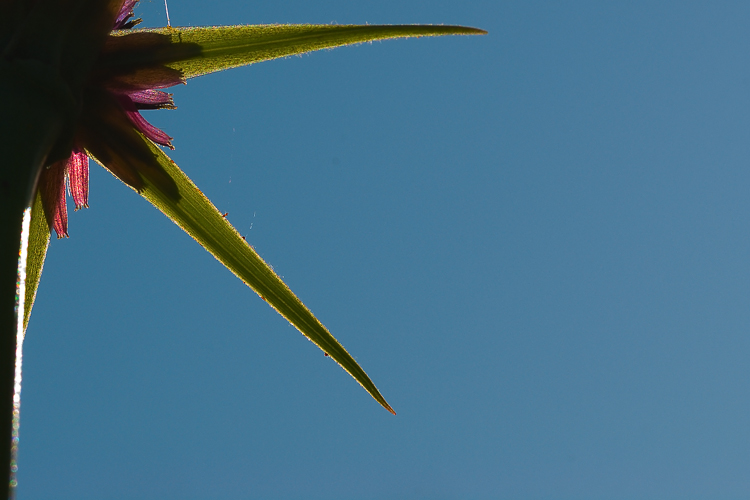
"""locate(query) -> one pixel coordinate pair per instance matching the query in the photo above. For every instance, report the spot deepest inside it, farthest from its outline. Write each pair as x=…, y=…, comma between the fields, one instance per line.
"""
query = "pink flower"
x=110, y=116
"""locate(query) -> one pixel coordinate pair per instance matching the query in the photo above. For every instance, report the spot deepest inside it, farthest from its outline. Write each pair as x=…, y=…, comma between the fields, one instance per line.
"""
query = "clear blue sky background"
x=536, y=242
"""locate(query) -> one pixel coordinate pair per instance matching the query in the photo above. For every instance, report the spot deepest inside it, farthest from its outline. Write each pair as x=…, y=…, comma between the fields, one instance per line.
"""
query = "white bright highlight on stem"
x=20, y=305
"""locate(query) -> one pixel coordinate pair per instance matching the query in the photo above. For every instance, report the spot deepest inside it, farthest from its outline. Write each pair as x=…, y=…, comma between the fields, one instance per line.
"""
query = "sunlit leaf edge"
x=39, y=234
x=222, y=47
x=197, y=216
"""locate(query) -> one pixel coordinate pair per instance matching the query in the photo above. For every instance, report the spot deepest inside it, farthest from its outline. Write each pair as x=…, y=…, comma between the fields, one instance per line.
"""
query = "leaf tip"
x=380, y=399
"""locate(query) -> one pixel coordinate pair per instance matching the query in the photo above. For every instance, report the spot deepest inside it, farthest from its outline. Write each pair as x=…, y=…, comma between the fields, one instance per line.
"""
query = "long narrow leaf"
x=38, y=244
x=199, y=51
x=198, y=217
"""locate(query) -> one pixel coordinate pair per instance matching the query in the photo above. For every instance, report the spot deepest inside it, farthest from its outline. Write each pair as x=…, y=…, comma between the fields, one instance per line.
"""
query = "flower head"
x=110, y=117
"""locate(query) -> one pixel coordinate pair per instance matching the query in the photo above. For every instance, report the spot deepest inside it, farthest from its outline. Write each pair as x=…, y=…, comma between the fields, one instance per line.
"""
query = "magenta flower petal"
x=140, y=123
x=152, y=99
x=139, y=79
x=60, y=222
x=52, y=190
x=78, y=178
x=126, y=12
x=153, y=133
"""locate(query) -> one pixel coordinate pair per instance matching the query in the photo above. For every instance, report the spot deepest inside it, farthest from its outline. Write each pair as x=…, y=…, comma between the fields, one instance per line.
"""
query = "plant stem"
x=36, y=108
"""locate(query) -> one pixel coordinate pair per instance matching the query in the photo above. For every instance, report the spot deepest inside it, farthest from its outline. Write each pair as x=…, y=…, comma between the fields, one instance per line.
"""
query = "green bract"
x=199, y=51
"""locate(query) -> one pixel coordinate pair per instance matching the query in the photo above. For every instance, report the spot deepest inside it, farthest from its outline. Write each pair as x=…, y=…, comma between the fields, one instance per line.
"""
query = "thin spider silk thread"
x=167, y=10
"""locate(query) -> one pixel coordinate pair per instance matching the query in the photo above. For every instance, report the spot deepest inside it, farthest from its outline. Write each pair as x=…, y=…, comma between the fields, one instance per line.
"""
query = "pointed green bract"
x=38, y=244
x=225, y=47
x=198, y=217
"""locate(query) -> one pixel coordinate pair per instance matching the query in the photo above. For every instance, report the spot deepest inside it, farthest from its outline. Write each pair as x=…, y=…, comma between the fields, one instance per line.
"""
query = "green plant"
x=78, y=74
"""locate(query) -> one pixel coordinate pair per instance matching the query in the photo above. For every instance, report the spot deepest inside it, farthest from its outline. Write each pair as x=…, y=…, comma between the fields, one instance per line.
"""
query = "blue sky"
x=535, y=242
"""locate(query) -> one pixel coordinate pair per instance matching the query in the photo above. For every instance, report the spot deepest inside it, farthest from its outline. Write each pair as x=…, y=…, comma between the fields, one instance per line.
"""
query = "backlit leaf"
x=38, y=243
x=197, y=216
x=199, y=51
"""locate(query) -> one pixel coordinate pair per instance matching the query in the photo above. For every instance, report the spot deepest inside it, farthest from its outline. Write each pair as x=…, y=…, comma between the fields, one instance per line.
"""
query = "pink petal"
x=152, y=99
x=138, y=79
x=78, y=178
x=126, y=12
x=52, y=190
x=140, y=123
x=153, y=133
